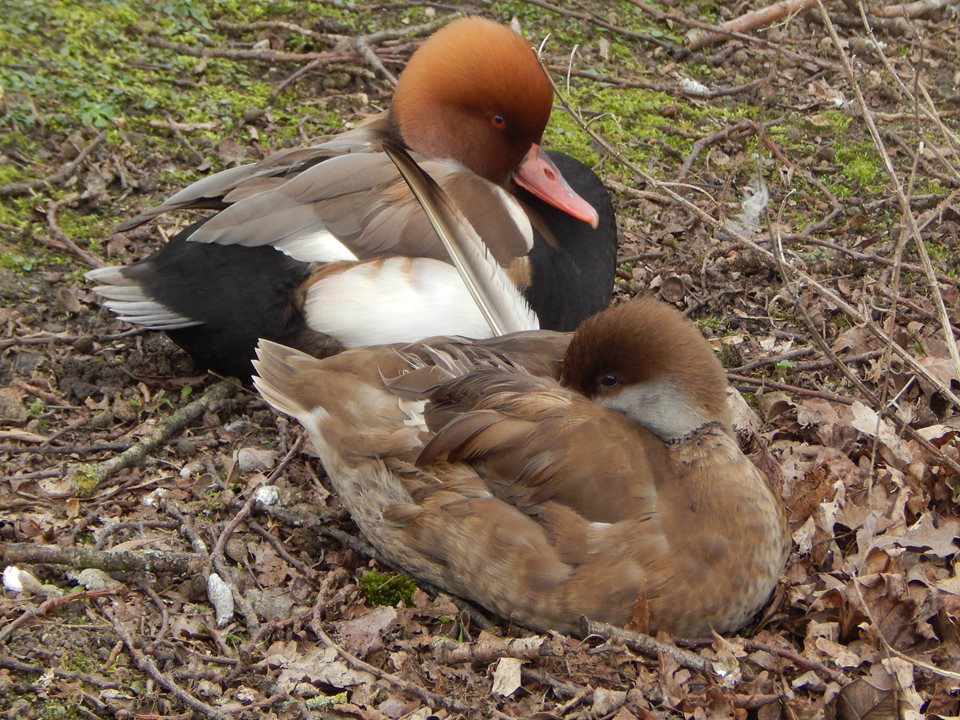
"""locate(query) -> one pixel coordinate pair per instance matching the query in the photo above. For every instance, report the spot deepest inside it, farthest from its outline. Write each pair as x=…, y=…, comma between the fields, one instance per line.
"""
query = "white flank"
x=498, y=299
x=397, y=299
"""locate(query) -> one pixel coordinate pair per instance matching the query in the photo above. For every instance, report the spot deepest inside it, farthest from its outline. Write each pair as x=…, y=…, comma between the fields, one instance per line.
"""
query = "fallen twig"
x=61, y=238
x=220, y=565
x=911, y=9
x=894, y=178
x=170, y=124
x=107, y=560
x=697, y=38
x=431, y=698
x=488, y=648
x=752, y=39
x=63, y=174
x=148, y=666
x=365, y=50
x=174, y=424
x=795, y=389
x=701, y=143
x=646, y=645
x=47, y=606
x=633, y=34
x=48, y=339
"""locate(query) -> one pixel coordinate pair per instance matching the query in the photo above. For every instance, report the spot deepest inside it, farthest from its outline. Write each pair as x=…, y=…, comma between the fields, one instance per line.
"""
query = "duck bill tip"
x=539, y=175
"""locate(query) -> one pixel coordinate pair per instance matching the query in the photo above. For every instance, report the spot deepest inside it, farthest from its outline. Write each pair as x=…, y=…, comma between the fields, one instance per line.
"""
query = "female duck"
x=610, y=488
x=324, y=247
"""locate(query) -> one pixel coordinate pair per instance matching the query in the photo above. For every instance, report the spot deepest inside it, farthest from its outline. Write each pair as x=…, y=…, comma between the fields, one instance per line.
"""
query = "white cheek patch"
x=658, y=405
x=396, y=299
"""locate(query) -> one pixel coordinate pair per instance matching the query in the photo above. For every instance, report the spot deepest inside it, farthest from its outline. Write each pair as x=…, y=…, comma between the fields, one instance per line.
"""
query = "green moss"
x=49, y=709
x=386, y=588
x=87, y=478
x=72, y=660
x=728, y=356
x=860, y=165
x=837, y=120
x=324, y=701
x=18, y=263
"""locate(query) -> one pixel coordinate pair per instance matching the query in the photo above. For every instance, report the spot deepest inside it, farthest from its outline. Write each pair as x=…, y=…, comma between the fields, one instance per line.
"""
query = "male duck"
x=549, y=476
x=324, y=248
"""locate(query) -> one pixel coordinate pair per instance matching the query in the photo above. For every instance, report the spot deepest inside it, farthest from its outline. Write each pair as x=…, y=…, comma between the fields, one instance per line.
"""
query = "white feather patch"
x=149, y=314
x=517, y=214
x=413, y=409
x=128, y=301
x=320, y=246
x=396, y=299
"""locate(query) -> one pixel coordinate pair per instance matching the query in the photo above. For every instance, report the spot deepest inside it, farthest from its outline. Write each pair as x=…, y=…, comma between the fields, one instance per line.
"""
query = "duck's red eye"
x=498, y=121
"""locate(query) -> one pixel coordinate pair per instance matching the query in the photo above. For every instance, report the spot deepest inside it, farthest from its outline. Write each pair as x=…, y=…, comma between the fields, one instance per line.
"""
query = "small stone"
x=250, y=114
x=255, y=459
x=11, y=406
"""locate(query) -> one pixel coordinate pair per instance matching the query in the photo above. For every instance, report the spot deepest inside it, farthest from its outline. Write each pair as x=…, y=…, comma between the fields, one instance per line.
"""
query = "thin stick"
x=905, y=208
x=58, y=177
x=696, y=39
x=148, y=666
x=646, y=645
x=174, y=424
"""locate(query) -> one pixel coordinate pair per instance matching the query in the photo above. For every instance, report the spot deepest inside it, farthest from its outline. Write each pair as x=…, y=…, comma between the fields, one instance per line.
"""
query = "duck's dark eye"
x=498, y=121
x=609, y=381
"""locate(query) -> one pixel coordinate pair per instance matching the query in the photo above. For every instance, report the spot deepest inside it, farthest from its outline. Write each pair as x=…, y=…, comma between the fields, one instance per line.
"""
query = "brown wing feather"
x=217, y=188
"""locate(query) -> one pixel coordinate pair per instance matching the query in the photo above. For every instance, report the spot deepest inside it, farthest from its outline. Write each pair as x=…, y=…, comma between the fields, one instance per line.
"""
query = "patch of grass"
x=861, y=167
x=380, y=588
x=18, y=263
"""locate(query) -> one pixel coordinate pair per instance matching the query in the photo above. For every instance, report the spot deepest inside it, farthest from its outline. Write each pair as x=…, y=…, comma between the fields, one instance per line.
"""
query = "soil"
x=866, y=619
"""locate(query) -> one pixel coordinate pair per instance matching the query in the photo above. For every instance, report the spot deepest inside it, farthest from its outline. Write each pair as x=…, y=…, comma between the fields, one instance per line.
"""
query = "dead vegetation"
x=144, y=499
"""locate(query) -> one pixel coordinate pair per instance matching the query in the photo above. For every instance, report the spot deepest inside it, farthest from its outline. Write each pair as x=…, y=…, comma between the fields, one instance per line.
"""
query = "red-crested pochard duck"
x=324, y=248
x=546, y=475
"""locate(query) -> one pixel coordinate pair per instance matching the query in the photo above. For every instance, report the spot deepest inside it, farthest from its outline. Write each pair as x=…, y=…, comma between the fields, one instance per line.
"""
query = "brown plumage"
x=619, y=494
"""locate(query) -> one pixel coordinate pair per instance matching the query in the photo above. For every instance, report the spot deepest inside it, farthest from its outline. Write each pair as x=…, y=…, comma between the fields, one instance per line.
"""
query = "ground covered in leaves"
x=129, y=478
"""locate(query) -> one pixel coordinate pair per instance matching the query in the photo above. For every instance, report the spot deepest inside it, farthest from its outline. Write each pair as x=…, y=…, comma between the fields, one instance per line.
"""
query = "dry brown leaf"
x=864, y=700
x=869, y=422
x=928, y=536
x=321, y=666
x=365, y=634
